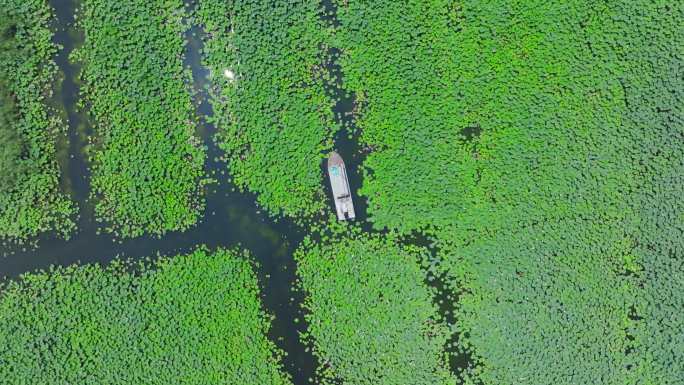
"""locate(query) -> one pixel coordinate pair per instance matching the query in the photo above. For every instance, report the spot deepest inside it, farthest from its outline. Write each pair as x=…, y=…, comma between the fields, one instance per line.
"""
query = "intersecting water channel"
x=232, y=218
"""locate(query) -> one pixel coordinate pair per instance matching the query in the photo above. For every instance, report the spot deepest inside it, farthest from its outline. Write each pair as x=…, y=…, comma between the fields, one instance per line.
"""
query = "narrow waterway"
x=347, y=137
x=274, y=243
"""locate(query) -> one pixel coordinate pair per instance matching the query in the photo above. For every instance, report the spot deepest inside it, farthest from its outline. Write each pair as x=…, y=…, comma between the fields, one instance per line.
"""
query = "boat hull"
x=339, y=184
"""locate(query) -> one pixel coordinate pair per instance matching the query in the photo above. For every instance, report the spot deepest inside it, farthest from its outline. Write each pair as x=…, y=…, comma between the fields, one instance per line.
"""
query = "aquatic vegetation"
x=536, y=145
x=551, y=255
x=401, y=63
x=658, y=255
x=274, y=119
x=529, y=132
x=147, y=163
x=370, y=314
x=655, y=96
x=190, y=319
x=31, y=201
x=548, y=303
x=11, y=143
x=559, y=156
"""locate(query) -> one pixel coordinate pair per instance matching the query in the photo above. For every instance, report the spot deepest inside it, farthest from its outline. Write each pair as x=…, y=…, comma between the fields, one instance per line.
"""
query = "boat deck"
x=340, y=187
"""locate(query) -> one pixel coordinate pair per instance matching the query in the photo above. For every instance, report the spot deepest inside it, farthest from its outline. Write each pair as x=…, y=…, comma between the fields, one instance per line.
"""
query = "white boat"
x=340, y=187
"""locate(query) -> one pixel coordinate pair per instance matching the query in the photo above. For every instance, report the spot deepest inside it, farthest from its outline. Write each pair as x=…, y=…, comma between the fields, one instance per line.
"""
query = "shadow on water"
x=231, y=219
